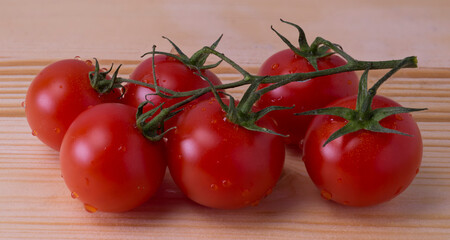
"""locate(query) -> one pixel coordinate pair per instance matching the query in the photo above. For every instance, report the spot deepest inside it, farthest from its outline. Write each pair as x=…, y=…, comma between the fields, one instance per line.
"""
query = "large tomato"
x=107, y=163
x=363, y=168
x=312, y=94
x=57, y=95
x=171, y=74
x=219, y=164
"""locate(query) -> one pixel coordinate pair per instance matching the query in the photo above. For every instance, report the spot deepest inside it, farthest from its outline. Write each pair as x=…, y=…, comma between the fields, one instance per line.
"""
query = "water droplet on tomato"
x=214, y=187
x=34, y=133
x=326, y=195
x=77, y=58
x=74, y=195
x=293, y=70
x=300, y=145
x=22, y=104
x=122, y=148
x=213, y=121
x=88, y=62
x=276, y=99
x=226, y=183
x=398, y=117
x=275, y=66
x=57, y=130
x=90, y=208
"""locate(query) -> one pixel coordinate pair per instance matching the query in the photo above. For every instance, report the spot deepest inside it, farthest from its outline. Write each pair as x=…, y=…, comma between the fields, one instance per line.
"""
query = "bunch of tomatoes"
x=109, y=163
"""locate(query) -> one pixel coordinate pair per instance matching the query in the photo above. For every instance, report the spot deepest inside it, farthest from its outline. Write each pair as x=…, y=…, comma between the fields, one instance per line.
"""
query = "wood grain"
x=35, y=203
x=34, y=200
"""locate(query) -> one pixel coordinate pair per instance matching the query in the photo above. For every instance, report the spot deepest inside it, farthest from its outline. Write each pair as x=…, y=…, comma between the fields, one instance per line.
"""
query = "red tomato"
x=57, y=95
x=107, y=163
x=312, y=94
x=219, y=164
x=171, y=74
x=363, y=168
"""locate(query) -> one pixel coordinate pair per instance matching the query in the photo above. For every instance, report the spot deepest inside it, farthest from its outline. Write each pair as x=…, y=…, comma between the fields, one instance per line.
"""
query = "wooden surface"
x=35, y=204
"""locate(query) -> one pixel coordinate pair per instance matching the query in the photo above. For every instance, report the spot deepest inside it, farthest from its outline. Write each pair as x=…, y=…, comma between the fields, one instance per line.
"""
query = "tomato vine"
x=220, y=155
x=242, y=113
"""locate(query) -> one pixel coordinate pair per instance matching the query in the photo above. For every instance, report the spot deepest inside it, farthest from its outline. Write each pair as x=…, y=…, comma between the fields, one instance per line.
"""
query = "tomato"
x=107, y=163
x=171, y=74
x=312, y=94
x=219, y=164
x=57, y=95
x=363, y=168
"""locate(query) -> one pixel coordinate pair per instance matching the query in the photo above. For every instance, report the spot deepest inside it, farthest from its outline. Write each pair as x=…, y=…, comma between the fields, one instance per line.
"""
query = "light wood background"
x=35, y=204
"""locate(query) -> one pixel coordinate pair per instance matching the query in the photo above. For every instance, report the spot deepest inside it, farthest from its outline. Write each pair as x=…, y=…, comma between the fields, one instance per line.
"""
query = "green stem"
x=355, y=65
x=227, y=60
x=280, y=80
x=243, y=110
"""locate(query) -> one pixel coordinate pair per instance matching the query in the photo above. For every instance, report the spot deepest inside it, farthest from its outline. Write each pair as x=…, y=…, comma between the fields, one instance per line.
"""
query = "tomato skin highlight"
x=107, y=162
x=312, y=94
x=219, y=164
x=363, y=168
x=57, y=95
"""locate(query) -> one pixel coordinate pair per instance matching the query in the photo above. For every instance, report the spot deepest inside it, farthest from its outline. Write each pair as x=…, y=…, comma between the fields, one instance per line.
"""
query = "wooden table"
x=35, y=204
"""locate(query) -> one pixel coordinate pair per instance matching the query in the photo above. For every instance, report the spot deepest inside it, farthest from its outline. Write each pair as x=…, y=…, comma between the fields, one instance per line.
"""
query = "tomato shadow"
x=294, y=200
x=415, y=205
x=164, y=204
x=167, y=199
x=291, y=196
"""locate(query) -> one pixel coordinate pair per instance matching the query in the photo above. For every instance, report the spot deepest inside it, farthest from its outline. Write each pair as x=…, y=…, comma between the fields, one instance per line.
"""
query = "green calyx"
x=196, y=61
x=99, y=79
x=310, y=52
x=242, y=114
x=363, y=116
